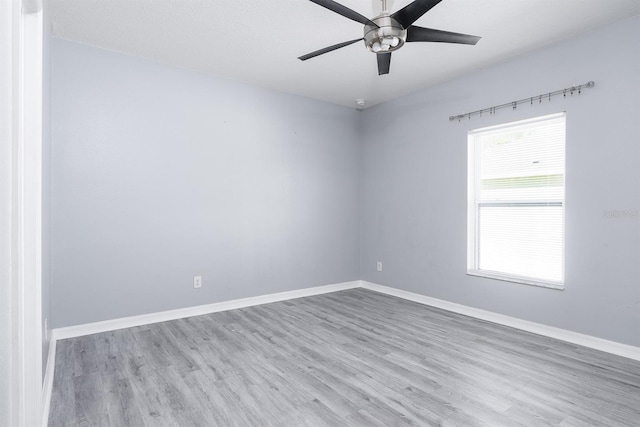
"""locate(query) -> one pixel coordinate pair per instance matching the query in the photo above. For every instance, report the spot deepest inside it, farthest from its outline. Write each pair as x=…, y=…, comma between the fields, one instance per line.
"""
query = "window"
x=516, y=201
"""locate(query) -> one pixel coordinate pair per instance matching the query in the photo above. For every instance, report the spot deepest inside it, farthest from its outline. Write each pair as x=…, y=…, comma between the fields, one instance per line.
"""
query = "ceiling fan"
x=388, y=32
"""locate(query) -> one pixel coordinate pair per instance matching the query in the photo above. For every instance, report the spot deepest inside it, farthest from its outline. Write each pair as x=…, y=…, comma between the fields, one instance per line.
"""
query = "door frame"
x=21, y=211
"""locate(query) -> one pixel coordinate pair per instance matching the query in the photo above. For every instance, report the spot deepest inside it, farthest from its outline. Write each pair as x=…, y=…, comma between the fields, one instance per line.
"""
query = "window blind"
x=516, y=200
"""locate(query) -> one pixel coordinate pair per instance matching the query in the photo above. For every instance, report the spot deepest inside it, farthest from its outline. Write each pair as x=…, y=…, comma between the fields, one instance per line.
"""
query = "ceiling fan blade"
x=411, y=12
x=384, y=61
x=327, y=49
x=344, y=11
x=420, y=34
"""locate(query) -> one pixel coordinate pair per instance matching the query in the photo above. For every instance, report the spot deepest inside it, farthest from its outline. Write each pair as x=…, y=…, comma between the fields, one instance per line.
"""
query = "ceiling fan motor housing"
x=386, y=37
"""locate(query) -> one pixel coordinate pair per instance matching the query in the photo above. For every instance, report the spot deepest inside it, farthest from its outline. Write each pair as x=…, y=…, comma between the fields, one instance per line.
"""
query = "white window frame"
x=473, y=206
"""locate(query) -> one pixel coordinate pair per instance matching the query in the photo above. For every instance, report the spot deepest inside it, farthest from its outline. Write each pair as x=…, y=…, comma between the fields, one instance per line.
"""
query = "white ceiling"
x=258, y=41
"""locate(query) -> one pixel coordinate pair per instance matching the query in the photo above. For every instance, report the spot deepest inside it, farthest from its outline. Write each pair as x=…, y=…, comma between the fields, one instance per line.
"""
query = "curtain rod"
x=514, y=104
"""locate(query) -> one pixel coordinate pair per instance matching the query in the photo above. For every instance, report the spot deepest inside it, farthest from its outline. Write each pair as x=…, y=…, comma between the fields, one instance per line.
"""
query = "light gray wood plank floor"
x=349, y=358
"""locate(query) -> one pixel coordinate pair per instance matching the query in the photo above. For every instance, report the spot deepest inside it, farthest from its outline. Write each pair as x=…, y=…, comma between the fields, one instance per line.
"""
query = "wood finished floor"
x=350, y=358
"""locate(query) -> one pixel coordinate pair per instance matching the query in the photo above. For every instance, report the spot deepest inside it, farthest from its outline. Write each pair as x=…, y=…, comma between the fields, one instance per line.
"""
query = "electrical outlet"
x=197, y=282
x=379, y=266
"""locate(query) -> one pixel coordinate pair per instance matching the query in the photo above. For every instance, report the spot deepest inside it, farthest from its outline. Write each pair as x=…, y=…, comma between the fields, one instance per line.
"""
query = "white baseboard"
x=47, y=385
x=612, y=347
x=181, y=313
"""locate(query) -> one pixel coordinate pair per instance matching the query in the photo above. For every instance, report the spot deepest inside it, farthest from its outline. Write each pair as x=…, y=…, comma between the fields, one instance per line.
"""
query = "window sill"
x=515, y=279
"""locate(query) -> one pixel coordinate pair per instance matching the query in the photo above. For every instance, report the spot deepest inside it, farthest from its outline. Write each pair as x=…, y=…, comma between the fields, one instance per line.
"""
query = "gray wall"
x=414, y=173
x=160, y=174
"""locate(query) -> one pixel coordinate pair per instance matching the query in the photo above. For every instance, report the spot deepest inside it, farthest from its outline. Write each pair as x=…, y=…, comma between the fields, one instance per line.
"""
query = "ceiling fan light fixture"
x=386, y=37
